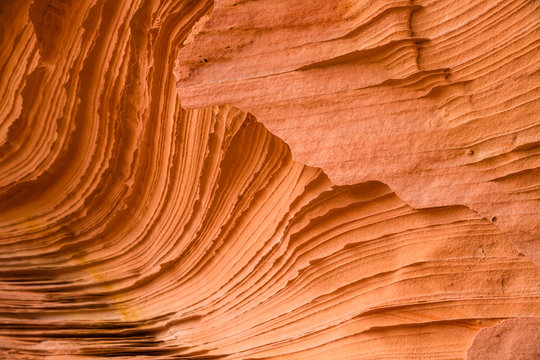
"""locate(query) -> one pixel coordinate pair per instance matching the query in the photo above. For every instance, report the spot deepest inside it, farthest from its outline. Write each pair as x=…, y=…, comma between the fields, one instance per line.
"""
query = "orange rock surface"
x=437, y=99
x=269, y=179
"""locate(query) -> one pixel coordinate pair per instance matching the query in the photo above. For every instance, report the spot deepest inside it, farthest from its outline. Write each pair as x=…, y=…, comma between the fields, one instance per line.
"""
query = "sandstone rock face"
x=438, y=100
x=269, y=179
x=512, y=339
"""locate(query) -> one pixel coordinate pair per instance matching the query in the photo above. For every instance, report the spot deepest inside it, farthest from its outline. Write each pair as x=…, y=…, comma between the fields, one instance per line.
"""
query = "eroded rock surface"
x=437, y=99
x=513, y=339
x=151, y=206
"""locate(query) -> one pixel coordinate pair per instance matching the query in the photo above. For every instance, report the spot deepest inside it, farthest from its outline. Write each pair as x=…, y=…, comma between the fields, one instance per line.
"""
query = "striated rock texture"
x=438, y=99
x=269, y=179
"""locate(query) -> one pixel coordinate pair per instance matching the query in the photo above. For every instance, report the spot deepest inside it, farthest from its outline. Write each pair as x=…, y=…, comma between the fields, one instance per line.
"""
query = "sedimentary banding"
x=145, y=212
x=438, y=100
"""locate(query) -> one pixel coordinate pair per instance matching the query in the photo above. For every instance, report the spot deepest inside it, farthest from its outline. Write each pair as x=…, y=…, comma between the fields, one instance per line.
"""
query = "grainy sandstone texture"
x=270, y=179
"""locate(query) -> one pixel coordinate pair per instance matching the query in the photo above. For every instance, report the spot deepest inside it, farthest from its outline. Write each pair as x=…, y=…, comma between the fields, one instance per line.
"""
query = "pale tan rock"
x=513, y=339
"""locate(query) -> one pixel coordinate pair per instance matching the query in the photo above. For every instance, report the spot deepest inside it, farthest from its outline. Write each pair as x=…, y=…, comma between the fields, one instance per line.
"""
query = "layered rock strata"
x=437, y=99
x=269, y=179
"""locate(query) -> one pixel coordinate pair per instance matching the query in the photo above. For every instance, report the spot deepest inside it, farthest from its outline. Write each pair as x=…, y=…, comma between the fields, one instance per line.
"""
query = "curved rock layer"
x=130, y=226
x=437, y=99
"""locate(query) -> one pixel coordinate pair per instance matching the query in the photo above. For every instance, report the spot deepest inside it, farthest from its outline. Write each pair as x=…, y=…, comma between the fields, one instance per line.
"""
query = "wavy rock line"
x=434, y=98
x=132, y=227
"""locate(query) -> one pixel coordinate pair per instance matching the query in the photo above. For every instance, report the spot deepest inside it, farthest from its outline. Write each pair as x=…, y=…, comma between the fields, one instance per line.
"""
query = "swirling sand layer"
x=148, y=207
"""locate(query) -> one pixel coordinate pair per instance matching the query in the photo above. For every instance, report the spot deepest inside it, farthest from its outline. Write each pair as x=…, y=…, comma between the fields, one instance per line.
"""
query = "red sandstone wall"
x=269, y=179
